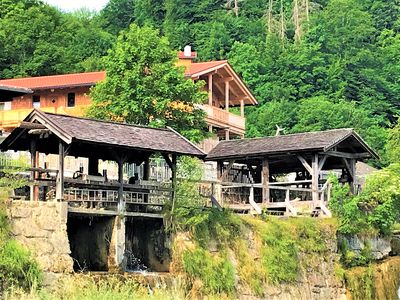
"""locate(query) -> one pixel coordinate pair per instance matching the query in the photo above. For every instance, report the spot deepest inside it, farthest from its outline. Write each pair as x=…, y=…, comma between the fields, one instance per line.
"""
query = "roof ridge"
x=105, y=121
x=47, y=76
x=290, y=134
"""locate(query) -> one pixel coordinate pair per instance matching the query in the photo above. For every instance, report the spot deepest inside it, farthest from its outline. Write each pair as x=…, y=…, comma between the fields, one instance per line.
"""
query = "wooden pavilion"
x=253, y=173
x=98, y=140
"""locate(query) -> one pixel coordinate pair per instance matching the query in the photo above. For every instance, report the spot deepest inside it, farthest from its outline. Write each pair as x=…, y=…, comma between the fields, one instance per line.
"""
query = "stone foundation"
x=42, y=228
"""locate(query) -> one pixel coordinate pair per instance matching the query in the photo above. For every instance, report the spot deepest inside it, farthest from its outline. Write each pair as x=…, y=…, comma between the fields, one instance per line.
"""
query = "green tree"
x=393, y=145
x=144, y=86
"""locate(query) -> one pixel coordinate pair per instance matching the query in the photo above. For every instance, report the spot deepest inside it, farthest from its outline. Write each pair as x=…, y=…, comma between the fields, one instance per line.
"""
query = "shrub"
x=375, y=209
x=215, y=273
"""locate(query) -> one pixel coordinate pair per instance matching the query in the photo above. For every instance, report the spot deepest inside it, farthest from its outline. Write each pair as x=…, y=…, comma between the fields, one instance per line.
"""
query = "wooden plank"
x=305, y=164
x=265, y=181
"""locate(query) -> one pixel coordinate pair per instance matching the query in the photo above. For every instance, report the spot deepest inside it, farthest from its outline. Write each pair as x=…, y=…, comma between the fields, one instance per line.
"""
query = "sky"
x=70, y=5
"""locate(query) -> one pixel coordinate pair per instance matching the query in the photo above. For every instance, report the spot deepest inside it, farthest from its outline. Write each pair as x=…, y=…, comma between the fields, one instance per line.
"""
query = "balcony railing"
x=223, y=117
x=12, y=118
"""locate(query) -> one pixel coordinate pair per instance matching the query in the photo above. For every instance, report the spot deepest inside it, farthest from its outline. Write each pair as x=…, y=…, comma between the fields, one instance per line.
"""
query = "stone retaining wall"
x=42, y=228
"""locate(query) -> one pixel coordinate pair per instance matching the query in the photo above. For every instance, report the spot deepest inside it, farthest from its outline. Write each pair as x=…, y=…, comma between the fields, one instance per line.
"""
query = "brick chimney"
x=186, y=57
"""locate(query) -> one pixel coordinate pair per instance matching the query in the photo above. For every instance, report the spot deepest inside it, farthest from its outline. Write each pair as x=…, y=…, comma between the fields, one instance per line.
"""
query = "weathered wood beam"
x=60, y=173
x=305, y=164
x=174, y=178
x=167, y=160
x=33, y=194
x=226, y=172
x=31, y=125
x=121, y=203
x=315, y=178
x=347, y=155
x=322, y=162
x=265, y=181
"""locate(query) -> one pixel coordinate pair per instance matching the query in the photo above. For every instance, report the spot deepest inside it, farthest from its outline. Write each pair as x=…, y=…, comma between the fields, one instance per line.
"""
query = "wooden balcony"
x=224, y=119
x=10, y=119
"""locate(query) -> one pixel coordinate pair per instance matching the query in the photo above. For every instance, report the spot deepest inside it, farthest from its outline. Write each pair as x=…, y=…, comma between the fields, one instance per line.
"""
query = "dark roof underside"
x=291, y=143
x=9, y=92
x=97, y=135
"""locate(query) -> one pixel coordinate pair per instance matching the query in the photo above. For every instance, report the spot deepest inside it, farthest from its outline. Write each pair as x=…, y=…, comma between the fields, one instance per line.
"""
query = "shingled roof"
x=73, y=129
x=283, y=144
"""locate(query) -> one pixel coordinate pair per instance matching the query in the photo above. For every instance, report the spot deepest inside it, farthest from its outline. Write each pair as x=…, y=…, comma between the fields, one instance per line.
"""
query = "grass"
x=17, y=266
x=257, y=252
x=109, y=288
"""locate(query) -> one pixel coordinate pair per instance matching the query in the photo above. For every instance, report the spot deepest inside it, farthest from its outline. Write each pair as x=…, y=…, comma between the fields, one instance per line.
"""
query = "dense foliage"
x=375, y=210
x=144, y=86
x=312, y=65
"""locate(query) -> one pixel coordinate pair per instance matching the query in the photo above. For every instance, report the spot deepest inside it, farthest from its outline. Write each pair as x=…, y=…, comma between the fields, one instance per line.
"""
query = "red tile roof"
x=56, y=81
x=196, y=68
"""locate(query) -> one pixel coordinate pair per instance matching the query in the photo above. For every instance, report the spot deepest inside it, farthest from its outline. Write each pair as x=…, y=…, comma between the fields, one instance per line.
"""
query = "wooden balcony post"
x=265, y=181
x=242, y=108
x=60, y=173
x=227, y=95
x=210, y=89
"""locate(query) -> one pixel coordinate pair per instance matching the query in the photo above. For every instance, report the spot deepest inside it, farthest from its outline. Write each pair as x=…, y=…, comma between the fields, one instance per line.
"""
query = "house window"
x=71, y=99
x=5, y=105
x=36, y=101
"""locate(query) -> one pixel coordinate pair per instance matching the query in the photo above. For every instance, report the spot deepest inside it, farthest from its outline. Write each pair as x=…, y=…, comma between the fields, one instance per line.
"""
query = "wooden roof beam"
x=348, y=155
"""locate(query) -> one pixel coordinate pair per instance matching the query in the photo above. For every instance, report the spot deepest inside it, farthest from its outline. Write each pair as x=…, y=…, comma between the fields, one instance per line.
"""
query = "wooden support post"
x=174, y=181
x=33, y=152
x=93, y=166
x=265, y=181
x=210, y=89
x=227, y=95
x=60, y=173
x=315, y=178
x=242, y=108
x=227, y=135
x=121, y=202
x=146, y=169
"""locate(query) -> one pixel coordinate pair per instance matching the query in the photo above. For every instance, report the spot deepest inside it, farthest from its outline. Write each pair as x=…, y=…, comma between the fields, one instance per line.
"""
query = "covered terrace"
x=93, y=191
x=287, y=174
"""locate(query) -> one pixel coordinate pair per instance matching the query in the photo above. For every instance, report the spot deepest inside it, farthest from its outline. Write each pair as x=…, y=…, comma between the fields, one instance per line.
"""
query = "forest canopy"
x=312, y=65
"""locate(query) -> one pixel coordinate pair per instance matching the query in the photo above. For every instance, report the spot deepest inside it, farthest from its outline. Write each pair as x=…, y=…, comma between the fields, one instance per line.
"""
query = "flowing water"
x=134, y=264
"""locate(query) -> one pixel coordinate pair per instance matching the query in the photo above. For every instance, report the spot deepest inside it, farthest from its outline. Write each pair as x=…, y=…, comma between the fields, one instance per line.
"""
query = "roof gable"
x=283, y=144
x=70, y=129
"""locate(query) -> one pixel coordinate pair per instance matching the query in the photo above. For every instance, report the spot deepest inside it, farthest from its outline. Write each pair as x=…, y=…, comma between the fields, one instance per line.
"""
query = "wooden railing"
x=222, y=116
x=12, y=118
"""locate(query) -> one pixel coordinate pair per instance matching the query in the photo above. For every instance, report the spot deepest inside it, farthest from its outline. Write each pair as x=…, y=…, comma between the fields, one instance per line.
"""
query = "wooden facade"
x=253, y=173
x=93, y=191
x=51, y=94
